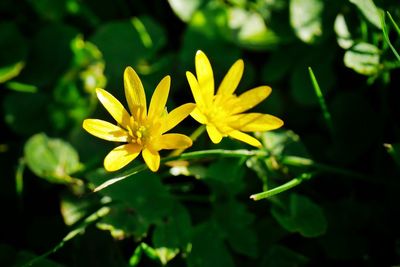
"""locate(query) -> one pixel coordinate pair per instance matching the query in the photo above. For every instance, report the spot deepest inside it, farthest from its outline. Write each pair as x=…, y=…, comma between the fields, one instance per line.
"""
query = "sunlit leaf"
x=52, y=159
x=184, y=9
x=250, y=30
x=363, y=58
x=306, y=19
x=342, y=31
x=370, y=11
x=302, y=216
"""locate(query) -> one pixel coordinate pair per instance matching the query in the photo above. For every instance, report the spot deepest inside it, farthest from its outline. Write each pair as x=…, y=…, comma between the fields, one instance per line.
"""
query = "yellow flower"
x=141, y=131
x=223, y=113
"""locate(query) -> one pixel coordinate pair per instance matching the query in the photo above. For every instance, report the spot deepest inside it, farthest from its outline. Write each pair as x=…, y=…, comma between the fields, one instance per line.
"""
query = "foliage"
x=321, y=191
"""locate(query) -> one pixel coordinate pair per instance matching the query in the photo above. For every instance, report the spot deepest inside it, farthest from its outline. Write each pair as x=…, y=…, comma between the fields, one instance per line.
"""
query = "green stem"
x=19, y=181
x=321, y=99
x=186, y=156
x=292, y=183
x=394, y=23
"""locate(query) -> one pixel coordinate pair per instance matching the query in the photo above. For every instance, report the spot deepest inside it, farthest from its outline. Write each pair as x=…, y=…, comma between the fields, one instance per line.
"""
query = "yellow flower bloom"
x=222, y=112
x=141, y=131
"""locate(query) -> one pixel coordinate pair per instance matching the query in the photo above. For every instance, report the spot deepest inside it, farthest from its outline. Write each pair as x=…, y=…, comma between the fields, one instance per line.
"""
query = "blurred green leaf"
x=50, y=55
x=185, y=9
x=370, y=11
x=29, y=116
x=306, y=19
x=14, y=51
x=394, y=152
x=208, y=31
x=302, y=216
x=208, y=248
x=128, y=43
x=249, y=30
x=363, y=58
x=279, y=256
x=52, y=159
x=50, y=10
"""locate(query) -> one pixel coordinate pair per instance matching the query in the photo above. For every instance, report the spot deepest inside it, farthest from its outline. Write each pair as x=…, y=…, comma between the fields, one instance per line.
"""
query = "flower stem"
x=292, y=183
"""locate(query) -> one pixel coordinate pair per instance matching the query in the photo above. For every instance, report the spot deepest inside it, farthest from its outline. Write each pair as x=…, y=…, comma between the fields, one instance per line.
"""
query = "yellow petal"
x=252, y=97
x=205, y=76
x=176, y=116
x=152, y=159
x=199, y=116
x=120, y=156
x=113, y=106
x=105, y=130
x=232, y=78
x=196, y=90
x=214, y=134
x=134, y=91
x=173, y=141
x=255, y=122
x=245, y=138
x=159, y=98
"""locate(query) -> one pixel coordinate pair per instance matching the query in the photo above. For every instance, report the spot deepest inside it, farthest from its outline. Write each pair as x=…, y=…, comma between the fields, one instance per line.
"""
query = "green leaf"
x=363, y=58
x=370, y=11
x=302, y=215
x=279, y=256
x=141, y=200
x=175, y=230
x=13, y=51
x=185, y=9
x=50, y=55
x=52, y=159
x=24, y=117
x=235, y=223
x=208, y=248
x=306, y=19
x=230, y=172
x=50, y=10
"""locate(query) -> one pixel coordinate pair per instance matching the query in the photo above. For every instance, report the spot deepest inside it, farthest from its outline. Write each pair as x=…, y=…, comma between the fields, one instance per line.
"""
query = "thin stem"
x=282, y=188
x=394, y=23
x=386, y=35
x=321, y=99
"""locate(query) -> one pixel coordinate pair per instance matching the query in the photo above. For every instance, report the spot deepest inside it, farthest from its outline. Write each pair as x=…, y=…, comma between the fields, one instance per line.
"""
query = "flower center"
x=138, y=133
x=221, y=109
